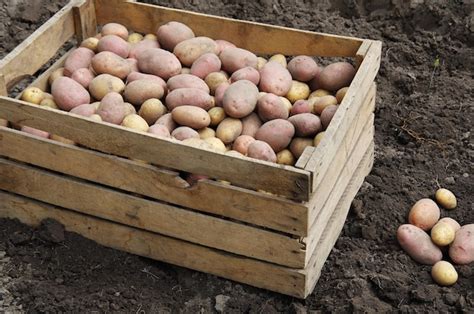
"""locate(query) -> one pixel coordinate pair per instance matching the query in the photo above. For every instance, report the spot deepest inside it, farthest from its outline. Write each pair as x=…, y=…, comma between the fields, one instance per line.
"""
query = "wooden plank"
x=246, y=172
x=153, y=216
x=304, y=158
x=85, y=20
x=257, y=37
x=362, y=52
x=207, y=195
x=42, y=81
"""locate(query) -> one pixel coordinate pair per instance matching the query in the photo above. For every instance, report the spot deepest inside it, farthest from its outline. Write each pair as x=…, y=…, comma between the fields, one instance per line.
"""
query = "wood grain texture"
x=42, y=81
x=85, y=20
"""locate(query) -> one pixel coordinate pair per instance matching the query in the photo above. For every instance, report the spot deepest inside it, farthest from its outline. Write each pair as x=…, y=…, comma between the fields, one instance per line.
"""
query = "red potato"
x=133, y=63
x=240, y=99
x=418, y=245
x=78, y=59
x=133, y=76
x=223, y=44
x=299, y=144
x=141, y=46
x=187, y=81
x=234, y=59
x=306, y=124
x=103, y=84
x=302, y=68
x=190, y=50
x=301, y=106
x=115, y=44
x=114, y=29
x=219, y=93
x=277, y=133
x=159, y=130
x=183, y=132
x=172, y=33
x=247, y=73
x=242, y=143
x=274, y=78
x=159, y=62
x=270, y=107
x=461, y=250
x=191, y=116
x=34, y=131
x=137, y=92
x=424, y=214
x=112, y=109
x=167, y=121
x=261, y=150
x=327, y=115
x=83, y=76
x=189, y=96
x=205, y=64
x=251, y=124
x=107, y=62
x=68, y=93
x=335, y=76
x=85, y=110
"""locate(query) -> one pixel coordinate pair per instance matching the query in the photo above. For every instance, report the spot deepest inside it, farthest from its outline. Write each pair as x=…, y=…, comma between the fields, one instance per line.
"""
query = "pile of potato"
x=204, y=92
x=446, y=235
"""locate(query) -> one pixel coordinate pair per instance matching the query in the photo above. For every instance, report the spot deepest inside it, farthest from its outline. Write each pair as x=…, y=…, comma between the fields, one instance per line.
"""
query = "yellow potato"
x=319, y=93
x=151, y=110
x=442, y=234
x=320, y=103
x=446, y=198
x=95, y=117
x=49, y=102
x=56, y=73
x=90, y=43
x=285, y=157
x=185, y=70
x=280, y=59
x=318, y=138
x=229, y=129
x=444, y=273
x=32, y=95
x=261, y=62
x=217, y=144
x=340, y=94
x=150, y=37
x=217, y=114
x=134, y=38
x=287, y=103
x=206, y=133
x=135, y=122
x=298, y=145
x=298, y=90
x=214, y=79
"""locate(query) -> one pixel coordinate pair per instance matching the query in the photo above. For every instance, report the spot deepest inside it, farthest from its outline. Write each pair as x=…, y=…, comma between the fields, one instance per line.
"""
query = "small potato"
x=277, y=133
x=274, y=78
x=461, y=250
x=233, y=153
x=150, y=37
x=189, y=96
x=90, y=43
x=49, y=102
x=336, y=76
x=319, y=93
x=223, y=44
x=298, y=90
x=306, y=124
x=83, y=76
x=56, y=73
x=159, y=130
x=247, y=73
x=251, y=124
x=143, y=45
x=318, y=138
x=159, y=62
x=446, y=198
x=301, y=106
x=107, y=62
x=442, y=234
x=206, y=133
x=240, y=99
x=133, y=63
x=185, y=70
x=183, y=132
x=134, y=38
x=280, y=59
x=424, y=214
x=327, y=115
x=115, y=44
x=234, y=59
x=32, y=95
x=298, y=145
x=61, y=139
x=242, y=143
x=450, y=221
x=137, y=92
x=112, y=108
x=167, y=121
x=341, y=93
x=34, y=131
x=285, y=157
x=205, y=64
x=418, y=245
x=287, y=104
x=322, y=102
x=187, y=81
x=85, y=110
x=270, y=107
x=261, y=150
x=134, y=76
x=216, y=144
x=219, y=93
x=228, y=130
x=444, y=273
x=261, y=62
x=103, y=84
x=191, y=116
x=96, y=118
x=151, y=110
x=114, y=29
x=214, y=79
x=134, y=121
x=302, y=68
x=172, y=33
x=217, y=114
x=77, y=59
x=190, y=50
x=130, y=108
x=68, y=93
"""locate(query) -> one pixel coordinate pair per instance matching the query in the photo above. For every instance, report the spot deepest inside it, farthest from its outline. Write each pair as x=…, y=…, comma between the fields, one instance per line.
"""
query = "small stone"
x=465, y=175
x=298, y=308
x=451, y=298
x=221, y=301
x=114, y=307
x=59, y=281
x=369, y=232
x=449, y=180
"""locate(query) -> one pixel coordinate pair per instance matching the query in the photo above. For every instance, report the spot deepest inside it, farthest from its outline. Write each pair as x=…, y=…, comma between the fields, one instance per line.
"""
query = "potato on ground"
x=184, y=132
x=107, y=62
x=240, y=99
x=335, y=76
x=302, y=68
x=261, y=150
x=103, y=84
x=299, y=144
x=446, y=198
x=234, y=59
x=186, y=81
x=461, y=250
x=192, y=116
x=85, y=110
x=79, y=58
x=115, y=44
x=270, y=107
x=228, y=130
x=274, y=78
x=191, y=49
x=90, y=43
x=159, y=62
x=277, y=133
x=143, y=45
x=215, y=79
x=417, y=243
x=112, y=109
x=189, y=96
x=442, y=234
x=450, y=221
x=248, y=73
x=83, y=76
x=251, y=124
x=424, y=214
x=327, y=115
x=298, y=91
x=159, y=130
x=285, y=157
x=217, y=114
x=172, y=33
x=32, y=95
x=306, y=124
x=205, y=64
x=34, y=131
x=301, y=106
x=242, y=143
x=137, y=92
x=320, y=103
x=223, y=44
x=68, y=93
x=134, y=121
x=114, y=29
x=167, y=121
x=444, y=273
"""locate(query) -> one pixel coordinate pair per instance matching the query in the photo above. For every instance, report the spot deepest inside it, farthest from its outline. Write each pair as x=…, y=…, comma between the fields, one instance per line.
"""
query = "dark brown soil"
x=423, y=122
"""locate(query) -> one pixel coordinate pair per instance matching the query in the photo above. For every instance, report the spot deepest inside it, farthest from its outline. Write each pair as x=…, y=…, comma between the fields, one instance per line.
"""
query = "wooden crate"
x=277, y=241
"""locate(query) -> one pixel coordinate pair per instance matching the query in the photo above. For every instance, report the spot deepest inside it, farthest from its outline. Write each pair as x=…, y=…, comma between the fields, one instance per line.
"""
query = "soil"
x=423, y=139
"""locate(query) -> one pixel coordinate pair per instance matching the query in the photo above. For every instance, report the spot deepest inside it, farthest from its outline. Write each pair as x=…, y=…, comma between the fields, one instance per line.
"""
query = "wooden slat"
x=246, y=172
x=304, y=158
x=85, y=20
x=42, y=81
x=257, y=37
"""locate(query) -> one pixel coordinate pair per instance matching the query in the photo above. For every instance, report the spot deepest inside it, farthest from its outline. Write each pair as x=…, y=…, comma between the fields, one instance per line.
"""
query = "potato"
x=90, y=43
x=217, y=114
x=275, y=79
x=261, y=62
x=96, y=118
x=115, y=44
x=83, y=76
x=205, y=64
x=261, y=150
x=103, y=84
x=233, y=153
x=130, y=108
x=242, y=143
x=301, y=106
x=298, y=91
x=270, y=107
x=3, y=123
x=77, y=59
x=228, y=130
x=172, y=33
x=247, y=73
x=159, y=130
x=159, y=62
x=167, y=121
x=34, y=131
x=191, y=49
x=56, y=73
x=450, y=221
x=327, y=115
x=234, y=59
x=444, y=273
x=280, y=59
x=442, y=234
x=85, y=110
x=240, y=98
x=32, y=95
x=306, y=124
x=219, y=93
x=150, y=37
x=133, y=63
x=151, y=110
x=216, y=144
x=251, y=124
x=418, y=245
x=143, y=45
x=134, y=76
x=47, y=96
x=287, y=104
x=424, y=214
x=223, y=44
x=191, y=116
x=319, y=93
x=322, y=102
x=214, y=79
x=277, y=133
x=285, y=157
x=68, y=93
x=48, y=102
x=199, y=143
x=341, y=93
x=302, y=68
x=461, y=250
x=336, y=76
x=206, y=133
x=107, y=62
x=185, y=70
x=183, y=132
x=134, y=38
x=137, y=92
x=186, y=81
x=134, y=121
x=189, y=96
x=446, y=198
x=61, y=139
x=318, y=138
x=112, y=108
x=298, y=145
x=114, y=29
